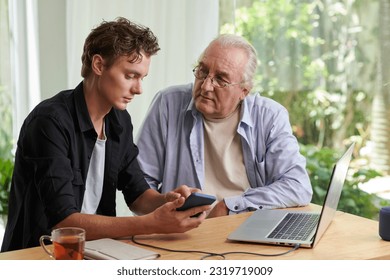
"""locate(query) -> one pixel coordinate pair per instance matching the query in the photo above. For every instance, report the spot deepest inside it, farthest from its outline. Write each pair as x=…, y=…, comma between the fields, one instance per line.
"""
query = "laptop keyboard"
x=295, y=226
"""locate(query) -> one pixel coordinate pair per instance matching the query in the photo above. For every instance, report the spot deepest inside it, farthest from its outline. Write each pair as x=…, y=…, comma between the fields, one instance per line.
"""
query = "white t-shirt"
x=225, y=173
x=95, y=177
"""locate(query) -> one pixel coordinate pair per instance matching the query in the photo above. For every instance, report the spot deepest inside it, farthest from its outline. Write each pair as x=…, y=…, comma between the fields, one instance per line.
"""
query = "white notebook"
x=111, y=249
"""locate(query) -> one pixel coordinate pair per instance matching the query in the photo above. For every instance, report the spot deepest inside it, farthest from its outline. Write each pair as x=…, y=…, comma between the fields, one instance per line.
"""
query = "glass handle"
x=41, y=241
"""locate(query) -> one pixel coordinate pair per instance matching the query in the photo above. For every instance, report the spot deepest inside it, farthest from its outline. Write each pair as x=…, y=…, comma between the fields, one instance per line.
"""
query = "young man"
x=76, y=149
x=214, y=136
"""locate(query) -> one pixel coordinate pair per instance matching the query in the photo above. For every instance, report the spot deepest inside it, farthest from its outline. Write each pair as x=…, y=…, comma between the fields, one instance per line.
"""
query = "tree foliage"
x=310, y=62
x=320, y=163
x=316, y=58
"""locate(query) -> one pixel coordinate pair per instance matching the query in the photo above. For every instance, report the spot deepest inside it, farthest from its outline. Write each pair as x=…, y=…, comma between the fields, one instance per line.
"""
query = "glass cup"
x=68, y=243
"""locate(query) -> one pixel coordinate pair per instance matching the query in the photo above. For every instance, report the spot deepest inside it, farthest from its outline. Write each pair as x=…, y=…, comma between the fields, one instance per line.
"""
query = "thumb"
x=171, y=196
x=178, y=202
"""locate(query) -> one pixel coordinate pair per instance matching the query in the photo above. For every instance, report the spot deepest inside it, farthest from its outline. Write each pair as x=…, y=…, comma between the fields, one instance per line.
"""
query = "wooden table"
x=349, y=237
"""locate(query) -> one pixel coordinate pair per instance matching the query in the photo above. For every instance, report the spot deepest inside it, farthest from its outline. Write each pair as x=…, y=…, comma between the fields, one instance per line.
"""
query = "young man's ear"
x=97, y=64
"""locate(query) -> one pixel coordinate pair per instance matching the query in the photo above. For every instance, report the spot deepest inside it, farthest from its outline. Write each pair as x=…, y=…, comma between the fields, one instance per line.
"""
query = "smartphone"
x=197, y=199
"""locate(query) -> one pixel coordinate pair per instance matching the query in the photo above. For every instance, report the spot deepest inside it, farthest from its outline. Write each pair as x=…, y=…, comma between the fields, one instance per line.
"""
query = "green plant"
x=6, y=142
x=6, y=170
x=6, y=157
x=311, y=61
x=353, y=200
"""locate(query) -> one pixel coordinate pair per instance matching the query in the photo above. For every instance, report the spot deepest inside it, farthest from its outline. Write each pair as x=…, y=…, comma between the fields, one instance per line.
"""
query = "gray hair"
x=236, y=41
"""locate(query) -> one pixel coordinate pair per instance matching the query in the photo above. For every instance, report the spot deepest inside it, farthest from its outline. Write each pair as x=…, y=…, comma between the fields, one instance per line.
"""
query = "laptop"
x=289, y=227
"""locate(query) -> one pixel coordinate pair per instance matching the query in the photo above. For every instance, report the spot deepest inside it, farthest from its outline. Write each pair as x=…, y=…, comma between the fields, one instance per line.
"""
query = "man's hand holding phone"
x=197, y=199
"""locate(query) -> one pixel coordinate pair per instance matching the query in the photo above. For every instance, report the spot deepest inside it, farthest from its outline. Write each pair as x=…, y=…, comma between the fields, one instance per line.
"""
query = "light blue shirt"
x=171, y=150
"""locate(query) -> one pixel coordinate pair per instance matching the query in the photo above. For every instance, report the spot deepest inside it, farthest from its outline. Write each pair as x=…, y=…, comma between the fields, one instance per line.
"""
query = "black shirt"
x=51, y=164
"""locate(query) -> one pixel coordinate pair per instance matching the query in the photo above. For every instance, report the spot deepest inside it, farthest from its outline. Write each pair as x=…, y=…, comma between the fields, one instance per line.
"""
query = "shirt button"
x=260, y=207
x=236, y=207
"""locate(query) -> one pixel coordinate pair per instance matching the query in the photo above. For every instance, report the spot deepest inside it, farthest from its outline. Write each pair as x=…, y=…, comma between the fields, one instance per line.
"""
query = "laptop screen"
x=332, y=198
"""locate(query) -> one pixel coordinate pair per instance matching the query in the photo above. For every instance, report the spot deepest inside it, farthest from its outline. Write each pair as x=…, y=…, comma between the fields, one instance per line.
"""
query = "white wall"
x=52, y=46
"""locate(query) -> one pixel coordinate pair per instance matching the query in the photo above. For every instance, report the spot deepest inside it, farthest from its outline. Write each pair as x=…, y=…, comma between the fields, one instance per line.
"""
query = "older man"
x=214, y=136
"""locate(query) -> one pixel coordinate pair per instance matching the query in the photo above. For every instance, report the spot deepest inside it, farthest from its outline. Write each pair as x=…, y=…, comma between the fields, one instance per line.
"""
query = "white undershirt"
x=95, y=177
x=225, y=173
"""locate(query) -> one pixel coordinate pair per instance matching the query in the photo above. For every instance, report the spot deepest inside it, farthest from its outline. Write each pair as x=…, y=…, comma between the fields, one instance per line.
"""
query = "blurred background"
x=326, y=61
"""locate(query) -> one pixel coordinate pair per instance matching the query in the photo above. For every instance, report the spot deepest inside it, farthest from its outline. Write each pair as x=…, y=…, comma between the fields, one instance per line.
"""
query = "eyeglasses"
x=202, y=75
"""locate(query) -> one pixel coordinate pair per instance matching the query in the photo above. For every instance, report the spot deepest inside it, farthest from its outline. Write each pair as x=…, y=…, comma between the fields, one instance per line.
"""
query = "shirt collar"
x=82, y=114
x=245, y=113
x=111, y=120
